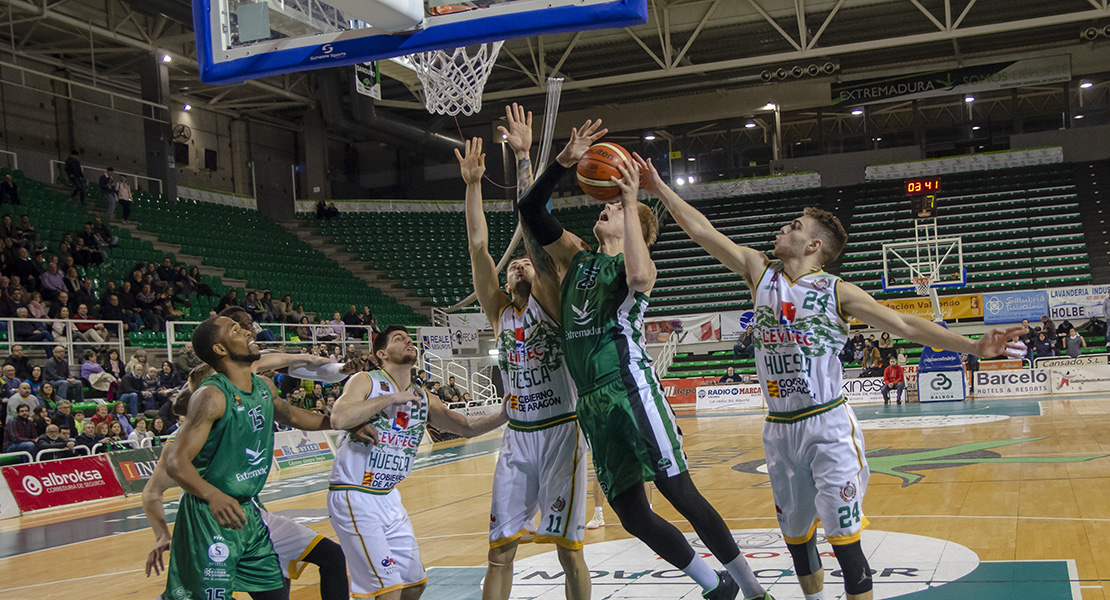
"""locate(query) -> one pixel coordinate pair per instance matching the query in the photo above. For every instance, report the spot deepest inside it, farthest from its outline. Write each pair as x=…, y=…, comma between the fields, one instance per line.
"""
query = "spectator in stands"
x=123, y=192
x=325, y=210
x=40, y=419
x=62, y=301
x=153, y=384
x=230, y=299
x=59, y=328
x=30, y=331
x=139, y=434
x=79, y=419
x=336, y=325
x=86, y=295
x=21, y=363
x=158, y=427
x=870, y=354
x=195, y=280
x=317, y=394
x=730, y=376
x=114, y=437
x=72, y=281
x=266, y=305
x=36, y=307
x=886, y=347
x=186, y=360
x=108, y=190
x=22, y=397
x=9, y=383
x=102, y=415
x=297, y=397
x=1074, y=343
x=36, y=380
x=169, y=381
x=114, y=365
x=90, y=330
x=144, y=301
x=131, y=389
x=894, y=378
x=9, y=191
x=857, y=347
x=57, y=373
x=370, y=322
x=93, y=374
x=19, y=433
x=450, y=392
x=52, y=439
x=745, y=344
x=119, y=413
x=299, y=313
x=1048, y=327
x=1045, y=346
x=52, y=280
x=165, y=272
x=114, y=311
x=325, y=332
x=25, y=268
x=63, y=416
x=250, y=304
x=48, y=395
x=76, y=176
x=89, y=437
x=304, y=331
x=139, y=356
x=87, y=251
x=353, y=321
x=283, y=310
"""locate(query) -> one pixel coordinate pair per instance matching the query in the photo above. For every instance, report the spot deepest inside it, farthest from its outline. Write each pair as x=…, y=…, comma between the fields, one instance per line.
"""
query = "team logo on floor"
x=902, y=564
x=906, y=464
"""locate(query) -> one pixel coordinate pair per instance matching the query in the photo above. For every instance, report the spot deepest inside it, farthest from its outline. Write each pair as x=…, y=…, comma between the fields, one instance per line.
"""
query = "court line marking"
x=34, y=585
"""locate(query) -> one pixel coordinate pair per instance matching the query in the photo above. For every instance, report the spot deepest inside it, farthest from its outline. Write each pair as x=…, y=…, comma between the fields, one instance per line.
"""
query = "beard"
x=247, y=358
x=523, y=288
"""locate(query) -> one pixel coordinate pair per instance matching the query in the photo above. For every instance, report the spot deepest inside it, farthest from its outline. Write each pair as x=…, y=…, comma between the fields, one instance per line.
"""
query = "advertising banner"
x=59, y=482
x=941, y=386
x=683, y=390
x=1079, y=302
x=864, y=390
x=1016, y=382
x=733, y=323
x=436, y=340
x=295, y=448
x=689, y=328
x=741, y=395
x=1067, y=361
x=1082, y=378
x=134, y=467
x=963, y=80
x=476, y=320
x=8, y=507
x=1001, y=365
x=1012, y=307
x=964, y=306
x=464, y=338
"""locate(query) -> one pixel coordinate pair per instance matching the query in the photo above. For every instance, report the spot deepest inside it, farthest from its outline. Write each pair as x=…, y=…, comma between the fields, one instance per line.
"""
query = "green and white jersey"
x=799, y=333
x=530, y=356
x=377, y=468
x=602, y=321
x=236, y=456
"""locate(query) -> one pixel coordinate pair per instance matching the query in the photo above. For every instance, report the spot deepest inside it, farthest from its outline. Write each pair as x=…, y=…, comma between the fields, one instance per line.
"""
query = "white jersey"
x=377, y=468
x=530, y=355
x=799, y=333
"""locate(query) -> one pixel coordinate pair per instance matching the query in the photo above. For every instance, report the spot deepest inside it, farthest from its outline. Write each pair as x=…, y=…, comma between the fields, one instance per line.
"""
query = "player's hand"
x=473, y=162
x=505, y=406
x=998, y=342
x=649, y=177
x=318, y=361
x=154, y=559
x=367, y=433
x=580, y=142
x=629, y=183
x=226, y=511
x=519, y=133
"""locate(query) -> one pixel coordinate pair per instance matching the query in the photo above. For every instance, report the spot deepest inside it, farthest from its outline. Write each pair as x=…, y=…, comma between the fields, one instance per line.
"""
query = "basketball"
x=597, y=166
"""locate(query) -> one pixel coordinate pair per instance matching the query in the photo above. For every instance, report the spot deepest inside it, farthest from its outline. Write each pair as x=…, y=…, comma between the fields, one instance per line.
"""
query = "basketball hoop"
x=922, y=285
x=453, y=79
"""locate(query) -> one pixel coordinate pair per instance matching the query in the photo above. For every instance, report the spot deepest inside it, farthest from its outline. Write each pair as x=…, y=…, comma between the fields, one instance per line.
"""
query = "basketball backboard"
x=941, y=260
x=242, y=39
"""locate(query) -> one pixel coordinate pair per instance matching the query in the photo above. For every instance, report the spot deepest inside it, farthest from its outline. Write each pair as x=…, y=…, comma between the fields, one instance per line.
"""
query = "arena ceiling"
x=688, y=49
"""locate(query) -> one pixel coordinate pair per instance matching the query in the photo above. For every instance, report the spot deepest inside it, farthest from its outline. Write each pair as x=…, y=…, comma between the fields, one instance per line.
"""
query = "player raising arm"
x=812, y=440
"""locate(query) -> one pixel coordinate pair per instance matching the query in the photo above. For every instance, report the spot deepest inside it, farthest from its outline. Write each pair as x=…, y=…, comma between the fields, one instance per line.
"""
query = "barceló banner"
x=60, y=482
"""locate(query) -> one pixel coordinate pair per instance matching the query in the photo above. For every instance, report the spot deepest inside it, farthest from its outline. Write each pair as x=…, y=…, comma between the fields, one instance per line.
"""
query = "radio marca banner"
x=735, y=395
x=134, y=467
x=295, y=448
x=1079, y=302
x=59, y=482
x=969, y=306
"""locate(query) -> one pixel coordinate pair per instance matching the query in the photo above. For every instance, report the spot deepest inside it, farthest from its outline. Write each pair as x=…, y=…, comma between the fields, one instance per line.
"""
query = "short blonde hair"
x=648, y=223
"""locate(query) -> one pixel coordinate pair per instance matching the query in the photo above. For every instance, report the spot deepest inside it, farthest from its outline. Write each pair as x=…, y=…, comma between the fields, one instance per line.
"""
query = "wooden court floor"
x=1024, y=479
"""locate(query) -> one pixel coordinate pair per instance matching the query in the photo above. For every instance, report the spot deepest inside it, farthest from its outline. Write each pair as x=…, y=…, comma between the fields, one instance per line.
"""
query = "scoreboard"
x=923, y=199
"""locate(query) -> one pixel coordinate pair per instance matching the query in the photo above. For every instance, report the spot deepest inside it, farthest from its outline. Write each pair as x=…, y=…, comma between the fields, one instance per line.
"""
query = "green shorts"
x=632, y=431
x=209, y=562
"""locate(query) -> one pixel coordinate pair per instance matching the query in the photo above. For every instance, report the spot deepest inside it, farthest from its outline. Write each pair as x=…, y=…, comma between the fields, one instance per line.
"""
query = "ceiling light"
x=769, y=106
x=857, y=112
x=492, y=352
x=187, y=107
x=680, y=181
x=691, y=179
x=691, y=159
x=1086, y=85
x=649, y=137
x=969, y=99
x=167, y=58
x=878, y=139
x=750, y=125
x=976, y=128
x=1078, y=116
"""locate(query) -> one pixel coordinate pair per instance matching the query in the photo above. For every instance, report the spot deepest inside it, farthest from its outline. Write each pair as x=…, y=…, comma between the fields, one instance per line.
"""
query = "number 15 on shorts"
x=849, y=515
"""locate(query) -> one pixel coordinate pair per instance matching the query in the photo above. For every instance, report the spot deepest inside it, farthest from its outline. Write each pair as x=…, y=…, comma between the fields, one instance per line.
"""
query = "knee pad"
x=854, y=568
x=807, y=560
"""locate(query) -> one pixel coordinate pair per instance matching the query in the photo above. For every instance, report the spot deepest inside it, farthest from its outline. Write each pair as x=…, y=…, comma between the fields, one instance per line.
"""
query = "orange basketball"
x=597, y=166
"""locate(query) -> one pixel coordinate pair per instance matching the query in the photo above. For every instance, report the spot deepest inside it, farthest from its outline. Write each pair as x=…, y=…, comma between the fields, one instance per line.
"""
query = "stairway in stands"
x=1091, y=179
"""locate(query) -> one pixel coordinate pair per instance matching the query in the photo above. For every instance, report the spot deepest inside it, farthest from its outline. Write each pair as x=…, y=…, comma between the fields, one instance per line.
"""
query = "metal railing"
x=439, y=317
x=152, y=184
x=19, y=453
x=283, y=334
x=71, y=339
x=666, y=356
x=38, y=455
x=13, y=162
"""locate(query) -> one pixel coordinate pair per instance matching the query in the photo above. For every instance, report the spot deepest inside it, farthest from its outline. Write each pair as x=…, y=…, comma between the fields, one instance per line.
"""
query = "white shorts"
x=540, y=471
x=818, y=471
x=292, y=542
x=378, y=541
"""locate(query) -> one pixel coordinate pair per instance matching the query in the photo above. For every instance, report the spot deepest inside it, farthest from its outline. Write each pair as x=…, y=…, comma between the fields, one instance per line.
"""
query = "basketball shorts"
x=540, y=469
x=818, y=470
x=378, y=540
x=292, y=542
x=208, y=561
x=632, y=431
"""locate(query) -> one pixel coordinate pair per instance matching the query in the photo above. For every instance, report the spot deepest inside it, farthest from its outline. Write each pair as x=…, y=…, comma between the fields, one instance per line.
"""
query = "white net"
x=922, y=285
x=453, y=79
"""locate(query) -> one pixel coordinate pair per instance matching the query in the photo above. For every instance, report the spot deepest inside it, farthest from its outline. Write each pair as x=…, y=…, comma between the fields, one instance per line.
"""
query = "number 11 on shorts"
x=554, y=523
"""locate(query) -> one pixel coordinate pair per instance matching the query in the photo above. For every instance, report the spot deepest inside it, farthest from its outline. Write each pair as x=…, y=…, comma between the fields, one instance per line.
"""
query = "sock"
x=699, y=571
x=742, y=574
x=598, y=511
x=818, y=596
